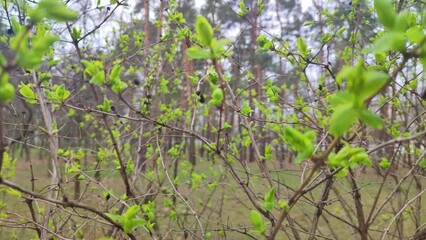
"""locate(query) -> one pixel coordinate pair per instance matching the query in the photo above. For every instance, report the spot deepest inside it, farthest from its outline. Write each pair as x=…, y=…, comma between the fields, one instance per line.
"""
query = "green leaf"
x=89, y=67
x=246, y=110
x=76, y=33
x=134, y=223
x=374, y=81
x=347, y=73
x=326, y=37
x=385, y=12
x=384, y=163
x=389, y=41
x=261, y=40
x=56, y=10
x=41, y=44
x=342, y=119
x=309, y=23
x=268, y=152
x=243, y=9
x=7, y=92
x=14, y=192
x=283, y=205
x=132, y=211
x=269, y=199
x=119, y=87
x=226, y=126
x=198, y=53
x=257, y=221
x=217, y=96
x=204, y=30
x=341, y=30
x=260, y=5
x=371, y=119
x=360, y=158
x=114, y=76
x=95, y=70
x=106, y=105
x=61, y=93
x=302, y=47
x=415, y=34
x=98, y=78
x=26, y=91
x=16, y=27
x=401, y=21
x=380, y=57
x=301, y=143
x=341, y=159
x=213, y=77
x=217, y=46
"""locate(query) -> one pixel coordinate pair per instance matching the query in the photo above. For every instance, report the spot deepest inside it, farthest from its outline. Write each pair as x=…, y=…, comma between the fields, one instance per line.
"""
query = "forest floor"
x=227, y=207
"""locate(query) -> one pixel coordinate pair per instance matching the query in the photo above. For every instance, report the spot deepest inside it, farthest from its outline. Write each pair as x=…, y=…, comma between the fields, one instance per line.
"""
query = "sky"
x=305, y=3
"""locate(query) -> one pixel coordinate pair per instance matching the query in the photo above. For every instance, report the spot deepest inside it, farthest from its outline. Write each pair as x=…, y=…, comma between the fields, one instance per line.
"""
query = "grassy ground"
x=227, y=209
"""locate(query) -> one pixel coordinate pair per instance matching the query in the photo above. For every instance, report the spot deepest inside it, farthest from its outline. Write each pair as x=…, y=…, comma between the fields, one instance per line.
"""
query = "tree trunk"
x=141, y=156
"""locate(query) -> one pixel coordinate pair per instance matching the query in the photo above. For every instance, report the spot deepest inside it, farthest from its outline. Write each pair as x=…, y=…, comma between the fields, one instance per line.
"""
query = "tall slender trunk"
x=52, y=137
x=188, y=70
x=253, y=69
x=142, y=141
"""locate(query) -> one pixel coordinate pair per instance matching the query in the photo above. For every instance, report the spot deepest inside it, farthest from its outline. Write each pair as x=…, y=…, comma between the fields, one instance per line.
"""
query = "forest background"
x=266, y=119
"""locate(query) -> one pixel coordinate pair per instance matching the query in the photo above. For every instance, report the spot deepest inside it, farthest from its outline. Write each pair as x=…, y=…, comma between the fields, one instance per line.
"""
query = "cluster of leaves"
x=348, y=106
x=348, y=157
x=401, y=29
x=129, y=220
x=95, y=70
x=361, y=84
x=302, y=143
x=215, y=49
x=8, y=167
x=30, y=49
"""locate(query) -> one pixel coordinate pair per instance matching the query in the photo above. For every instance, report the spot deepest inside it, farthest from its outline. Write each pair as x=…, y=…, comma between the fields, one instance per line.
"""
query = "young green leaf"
x=246, y=109
x=7, y=92
x=261, y=40
x=386, y=13
x=384, y=163
x=198, y=53
x=226, y=126
x=14, y=192
x=401, y=21
x=106, y=105
x=302, y=47
x=371, y=119
x=257, y=221
x=217, y=96
x=342, y=119
x=269, y=199
x=56, y=10
x=243, y=9
x=204, y=31
x=132, y=211
x=218, y=45
x=131, y=224
x=114, y=76
x=374, y=81
x=301, y=143
x=415, y=34
x=283, y=205
x=389, y=41
x=268, y=152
